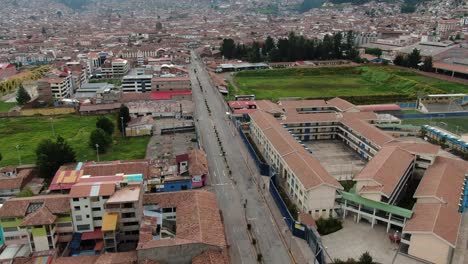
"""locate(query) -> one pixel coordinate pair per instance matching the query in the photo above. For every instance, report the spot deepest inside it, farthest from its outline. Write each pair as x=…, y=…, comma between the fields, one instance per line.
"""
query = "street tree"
x=269, y=45
x=228, y=48
x=427, y=64
x=50, y=155
x=125, y=113
x=399, y=60
x=101, y=139
x=22, y=96
x=105, y=124
x=414, y=58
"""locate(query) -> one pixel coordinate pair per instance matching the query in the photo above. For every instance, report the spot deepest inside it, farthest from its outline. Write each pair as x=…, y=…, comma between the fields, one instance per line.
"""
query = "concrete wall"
x=320, y=198
x=372, y=196
x=48, y=111
x=429, y=247
x=177, y=254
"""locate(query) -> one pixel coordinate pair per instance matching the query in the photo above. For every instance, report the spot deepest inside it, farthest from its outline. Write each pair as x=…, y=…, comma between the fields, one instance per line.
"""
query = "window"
x=128, y=215
x=76, y=199
x=130, y=224
x=82, y=227
x=10, y=229
x=67, y=224
x=87, y=216
x=97, y=218
x=95, y=199
x=128, y=205
x=77, y=208
x=96, y=209
x=78, y=218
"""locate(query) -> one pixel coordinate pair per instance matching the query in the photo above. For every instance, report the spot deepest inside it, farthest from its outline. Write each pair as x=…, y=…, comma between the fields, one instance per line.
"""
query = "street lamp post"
x=19, y=155
x=97, y=151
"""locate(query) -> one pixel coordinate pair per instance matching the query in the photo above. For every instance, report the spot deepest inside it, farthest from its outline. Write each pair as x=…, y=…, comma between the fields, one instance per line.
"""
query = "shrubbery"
x=328, y=226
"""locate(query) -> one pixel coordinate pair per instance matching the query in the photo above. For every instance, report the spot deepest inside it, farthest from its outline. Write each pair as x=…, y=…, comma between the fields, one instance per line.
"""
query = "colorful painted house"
x=41, y=222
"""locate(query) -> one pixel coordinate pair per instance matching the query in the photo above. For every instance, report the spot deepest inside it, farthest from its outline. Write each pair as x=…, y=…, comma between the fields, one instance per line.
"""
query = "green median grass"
x=340, y=81
x=29, y=131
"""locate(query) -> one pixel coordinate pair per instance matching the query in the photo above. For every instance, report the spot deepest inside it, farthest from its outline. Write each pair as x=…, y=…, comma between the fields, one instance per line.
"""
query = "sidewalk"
x=299, y=249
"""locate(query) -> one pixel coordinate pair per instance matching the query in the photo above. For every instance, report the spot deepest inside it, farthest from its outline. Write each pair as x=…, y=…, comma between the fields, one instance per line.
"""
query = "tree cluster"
x=101, y=137
x=293, y=48
x=374, y=51
x=50, y=155
x=125, y=113
x=413, y=60
x=365, y=258
x=22, y=96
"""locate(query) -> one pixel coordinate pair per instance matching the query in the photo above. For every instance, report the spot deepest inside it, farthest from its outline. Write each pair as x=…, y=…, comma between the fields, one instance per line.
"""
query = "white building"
x=137, y=83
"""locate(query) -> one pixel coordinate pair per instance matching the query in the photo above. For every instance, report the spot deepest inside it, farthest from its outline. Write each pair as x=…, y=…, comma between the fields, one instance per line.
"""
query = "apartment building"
x=87, y=205
x=55, y=87
x=114, y=68
x=171, y=84
x=137, y=83
x=109, y=208
x=41, y=222
x=125, y=207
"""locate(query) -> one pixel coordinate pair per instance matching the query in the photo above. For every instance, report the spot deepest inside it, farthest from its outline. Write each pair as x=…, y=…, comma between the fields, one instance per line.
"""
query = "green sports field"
x=453, y=124
x=340, y=81
x=28, y=131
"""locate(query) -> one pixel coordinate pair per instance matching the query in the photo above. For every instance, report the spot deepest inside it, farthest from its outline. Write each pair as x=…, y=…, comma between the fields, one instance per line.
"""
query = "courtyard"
x=357, y=238
x=339, y=160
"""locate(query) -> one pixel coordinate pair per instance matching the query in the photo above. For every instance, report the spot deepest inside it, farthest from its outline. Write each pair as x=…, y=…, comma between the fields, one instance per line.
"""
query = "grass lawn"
x=340, y=81
x=5, y=107
x=452, y=123
x=28, y=131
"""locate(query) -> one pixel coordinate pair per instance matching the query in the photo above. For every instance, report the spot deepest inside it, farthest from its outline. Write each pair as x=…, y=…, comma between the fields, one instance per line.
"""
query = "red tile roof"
x=198, y=219
x=84, y=189
x=16, y=207
x=161, y=95
x=211, y=257
x=41, y=216
x=386, y=168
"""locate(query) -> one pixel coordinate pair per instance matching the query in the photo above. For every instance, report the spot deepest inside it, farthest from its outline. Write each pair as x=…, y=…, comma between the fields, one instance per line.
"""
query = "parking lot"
x=340, y=161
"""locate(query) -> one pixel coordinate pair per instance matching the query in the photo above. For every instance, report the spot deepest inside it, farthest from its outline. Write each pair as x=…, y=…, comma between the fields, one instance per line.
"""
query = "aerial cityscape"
x=220, y=131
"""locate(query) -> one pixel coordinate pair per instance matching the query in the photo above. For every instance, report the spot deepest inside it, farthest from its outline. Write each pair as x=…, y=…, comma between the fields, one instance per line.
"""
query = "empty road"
x=233, y=190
